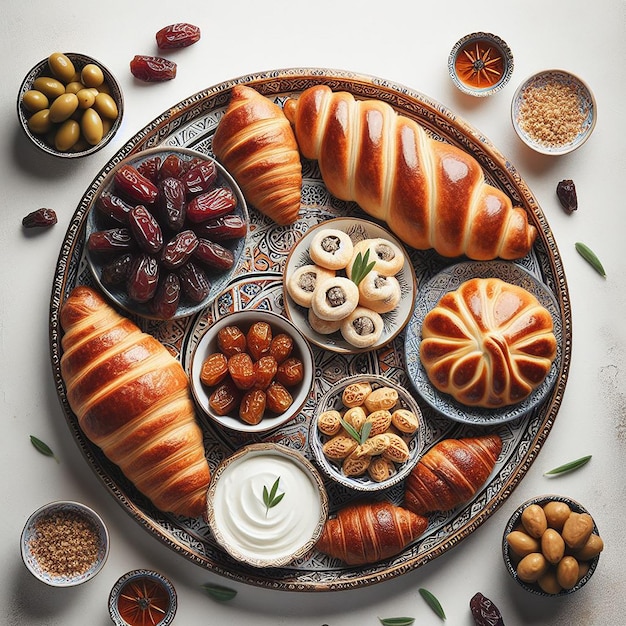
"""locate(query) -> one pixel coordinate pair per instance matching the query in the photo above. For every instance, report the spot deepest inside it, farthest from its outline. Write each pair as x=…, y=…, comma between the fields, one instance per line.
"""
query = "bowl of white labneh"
x=267, y=505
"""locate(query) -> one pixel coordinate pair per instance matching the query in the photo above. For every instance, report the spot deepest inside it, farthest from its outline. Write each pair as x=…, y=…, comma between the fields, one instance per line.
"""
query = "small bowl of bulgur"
x=553, y=112
x=64, y=543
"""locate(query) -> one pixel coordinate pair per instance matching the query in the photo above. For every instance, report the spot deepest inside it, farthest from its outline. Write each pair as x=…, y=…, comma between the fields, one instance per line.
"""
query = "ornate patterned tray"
x=191, y=123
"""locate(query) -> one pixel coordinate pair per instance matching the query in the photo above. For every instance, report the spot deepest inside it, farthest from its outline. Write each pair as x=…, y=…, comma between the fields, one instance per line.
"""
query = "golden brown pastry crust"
x=255, y=142
x=132, y=399
x=430, y=193
x=488, y=343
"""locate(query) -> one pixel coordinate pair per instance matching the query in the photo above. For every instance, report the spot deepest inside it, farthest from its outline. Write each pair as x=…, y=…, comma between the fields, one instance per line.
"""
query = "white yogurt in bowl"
x=245, y=521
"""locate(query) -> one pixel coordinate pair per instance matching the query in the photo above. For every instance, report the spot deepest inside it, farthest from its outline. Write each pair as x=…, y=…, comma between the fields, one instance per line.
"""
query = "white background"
x=407, y=43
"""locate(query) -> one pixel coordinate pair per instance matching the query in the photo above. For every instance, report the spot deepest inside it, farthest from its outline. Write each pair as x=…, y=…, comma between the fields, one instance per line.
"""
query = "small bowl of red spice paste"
x=480, y=64
x=64, y=543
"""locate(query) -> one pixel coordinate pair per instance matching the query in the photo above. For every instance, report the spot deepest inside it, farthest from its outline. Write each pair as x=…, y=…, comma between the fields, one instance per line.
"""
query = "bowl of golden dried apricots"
x=551, y=546
x=252, y=371
x=367, y=433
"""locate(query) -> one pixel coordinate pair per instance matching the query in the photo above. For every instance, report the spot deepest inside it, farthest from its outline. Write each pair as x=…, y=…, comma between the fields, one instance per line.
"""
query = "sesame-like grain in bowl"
x=551, y=113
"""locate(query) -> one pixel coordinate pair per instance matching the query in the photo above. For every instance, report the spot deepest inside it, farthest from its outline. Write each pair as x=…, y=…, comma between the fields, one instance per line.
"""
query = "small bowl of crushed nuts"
x=70, y=105
x=64, y=544
x=553, y=112
x=367, y=433
x=551, y=546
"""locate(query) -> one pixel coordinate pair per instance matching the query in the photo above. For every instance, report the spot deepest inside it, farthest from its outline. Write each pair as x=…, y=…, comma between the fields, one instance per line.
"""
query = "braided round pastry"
x=488, y=344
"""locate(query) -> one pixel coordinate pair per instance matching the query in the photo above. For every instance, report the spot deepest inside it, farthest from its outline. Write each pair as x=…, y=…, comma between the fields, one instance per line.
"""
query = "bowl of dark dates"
x=252, y=371
x=166, y=232
x=70, y=105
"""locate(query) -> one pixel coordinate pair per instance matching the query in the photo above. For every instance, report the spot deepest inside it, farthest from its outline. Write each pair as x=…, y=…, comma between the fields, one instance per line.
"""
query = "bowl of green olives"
x=70, y=105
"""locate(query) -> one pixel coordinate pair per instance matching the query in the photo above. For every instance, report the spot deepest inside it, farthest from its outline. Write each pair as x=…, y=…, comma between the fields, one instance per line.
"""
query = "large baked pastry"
x=488, y=343
x=256, y=144
x=132, y=399
x=367, y=532
x=431, y=194
x=451, y=473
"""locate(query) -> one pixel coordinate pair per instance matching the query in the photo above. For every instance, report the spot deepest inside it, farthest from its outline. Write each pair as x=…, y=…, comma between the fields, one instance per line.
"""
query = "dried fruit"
x=41, y=218
x=485, y=612
x=252, y=406
x=179, y=249
x=143, y=278
x=194, y=282
x=222, y=228
x=231, y=340
x=145, y=229
x=566, y=193
x=200, y=177
x=264, y=371
x=178, y=35
x=135, y=186
x=281, y=347
x=211, y=204
x=290, y=372
x=259, y=339
x=213, y=255
x=111, y=240
x=114, y=207
x=116, y=272
x=152, y=69
x=167, y=296
x=241, y=370
x=225, y=398
x=214, y=369
x=278, y=399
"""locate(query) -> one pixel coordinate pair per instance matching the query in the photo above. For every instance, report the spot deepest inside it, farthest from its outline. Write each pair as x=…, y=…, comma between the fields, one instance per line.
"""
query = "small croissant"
x=255, y=142
x=369, y=532
x=451, y=473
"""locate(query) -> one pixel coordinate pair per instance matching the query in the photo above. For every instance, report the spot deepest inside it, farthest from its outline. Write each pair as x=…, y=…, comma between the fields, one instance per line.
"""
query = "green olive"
x=86, y=98
x=105, y=105
x=63, y=107
x=39, y=123
x=51, y=87
x=91, y=127
x=67, y=135
x=35, y=101
x=91, y=75
x=74, y=87
x=61, y=67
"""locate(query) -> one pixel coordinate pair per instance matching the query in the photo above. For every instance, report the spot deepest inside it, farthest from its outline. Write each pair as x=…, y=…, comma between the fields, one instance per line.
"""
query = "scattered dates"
x=178, y=35
x=41, y=218
x=148, y=245
x=251, y=374
x=152, y=69
x=566, y=193
x=484, y=611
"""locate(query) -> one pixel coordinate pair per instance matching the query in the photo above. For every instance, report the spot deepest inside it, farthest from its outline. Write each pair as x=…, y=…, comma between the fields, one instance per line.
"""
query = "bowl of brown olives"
x=252, y=371
x=166, y=232
x=70, y=105
x=551, y=546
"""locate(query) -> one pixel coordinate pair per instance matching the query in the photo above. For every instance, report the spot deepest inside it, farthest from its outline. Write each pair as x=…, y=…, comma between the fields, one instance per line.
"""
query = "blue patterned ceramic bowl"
x=553, y=112
x=64, y=544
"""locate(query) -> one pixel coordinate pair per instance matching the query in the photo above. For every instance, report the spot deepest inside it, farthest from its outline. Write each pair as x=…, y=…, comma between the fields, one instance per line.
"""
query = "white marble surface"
x=404, y=43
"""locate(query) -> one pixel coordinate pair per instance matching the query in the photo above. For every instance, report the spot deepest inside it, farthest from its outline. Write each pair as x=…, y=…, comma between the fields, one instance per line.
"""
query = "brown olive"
x=39, y=123
x=105, y=105
x=74, y=87
x=86, y=98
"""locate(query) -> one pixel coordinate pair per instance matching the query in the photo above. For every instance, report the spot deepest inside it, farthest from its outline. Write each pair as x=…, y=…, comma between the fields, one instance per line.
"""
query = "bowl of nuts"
x=367, y=433
x=252, y=371
x=553, y=112
x=70, y=105
x=64, y=544
x=166, y=232
x=551, y=546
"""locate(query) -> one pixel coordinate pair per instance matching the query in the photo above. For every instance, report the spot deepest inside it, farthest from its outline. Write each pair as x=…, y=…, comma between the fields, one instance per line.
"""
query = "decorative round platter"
x=258, y=285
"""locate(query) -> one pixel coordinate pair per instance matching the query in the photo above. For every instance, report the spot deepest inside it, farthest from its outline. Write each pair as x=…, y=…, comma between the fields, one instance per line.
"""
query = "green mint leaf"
x=569, y=467
x=432, y=602
x=42, y=447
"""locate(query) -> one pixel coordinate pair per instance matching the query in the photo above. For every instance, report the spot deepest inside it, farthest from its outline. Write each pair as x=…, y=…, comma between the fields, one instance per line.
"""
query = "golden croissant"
x=132, y=399
x=488, y=343
x=368, y=532
x=451, y=473
x=255, y=142
x=431, y=194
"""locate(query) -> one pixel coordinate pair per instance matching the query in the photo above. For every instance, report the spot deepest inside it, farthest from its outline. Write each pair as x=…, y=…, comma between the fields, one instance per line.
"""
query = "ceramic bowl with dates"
x=367, y=433
x=166, y=232
x=252, y=371
x=70, y=105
